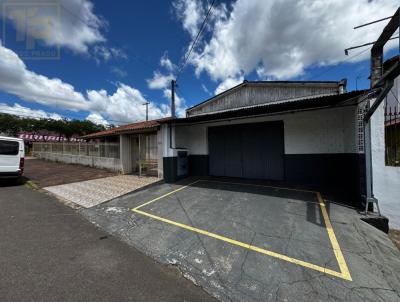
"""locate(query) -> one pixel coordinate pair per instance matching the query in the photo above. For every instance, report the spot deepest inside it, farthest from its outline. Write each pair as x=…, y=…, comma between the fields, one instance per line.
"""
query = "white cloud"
x=105, y=53
x=281, y=37
x=97, y=119
x=16, y=79
x=159, y=80
x=163, y=82
x=205, y=89
x=123, y=106
x=119, y=72
x=191, y=13
x=228, y=83
x=22, y=111
x=180, y=104
x=76, y=27
x=166, y=63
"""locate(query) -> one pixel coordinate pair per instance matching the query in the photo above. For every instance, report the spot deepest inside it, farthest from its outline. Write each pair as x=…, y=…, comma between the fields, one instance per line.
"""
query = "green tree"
x=11, y=125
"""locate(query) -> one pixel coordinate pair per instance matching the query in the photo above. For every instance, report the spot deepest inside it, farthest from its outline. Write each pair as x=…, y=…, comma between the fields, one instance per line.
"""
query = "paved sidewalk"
x=48, y=252
x=93, y=192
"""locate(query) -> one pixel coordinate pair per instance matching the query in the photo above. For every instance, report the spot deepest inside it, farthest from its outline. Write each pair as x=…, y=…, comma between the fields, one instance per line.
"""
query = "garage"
x=254, y=151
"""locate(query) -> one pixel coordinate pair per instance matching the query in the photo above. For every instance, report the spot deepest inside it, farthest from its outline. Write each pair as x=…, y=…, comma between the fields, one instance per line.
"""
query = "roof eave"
x=287, y=107
x=265, y=83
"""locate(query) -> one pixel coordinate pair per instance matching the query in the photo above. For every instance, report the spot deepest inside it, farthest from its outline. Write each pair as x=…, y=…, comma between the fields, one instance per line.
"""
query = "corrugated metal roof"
x=265, y=83
x=134, y=127
x=281, y=106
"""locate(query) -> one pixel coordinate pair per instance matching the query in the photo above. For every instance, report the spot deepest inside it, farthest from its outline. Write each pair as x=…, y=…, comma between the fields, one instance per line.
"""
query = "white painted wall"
x=126, y=153
x=386, y=180
x=165, y=133
x=160, y=163
x=312, y=132
x=112, y=164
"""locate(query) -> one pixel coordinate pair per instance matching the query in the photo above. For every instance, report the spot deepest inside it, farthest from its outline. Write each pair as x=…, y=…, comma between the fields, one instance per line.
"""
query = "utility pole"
x=173, y=85
x=147, y=110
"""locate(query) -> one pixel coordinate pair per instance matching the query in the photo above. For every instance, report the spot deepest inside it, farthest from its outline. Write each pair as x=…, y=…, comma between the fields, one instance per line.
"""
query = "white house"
x=386, y=176
x=295, y=132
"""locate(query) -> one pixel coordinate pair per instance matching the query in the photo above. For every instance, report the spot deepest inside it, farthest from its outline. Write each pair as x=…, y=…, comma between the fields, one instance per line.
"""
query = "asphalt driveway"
x=242, y=241
x=48, y=252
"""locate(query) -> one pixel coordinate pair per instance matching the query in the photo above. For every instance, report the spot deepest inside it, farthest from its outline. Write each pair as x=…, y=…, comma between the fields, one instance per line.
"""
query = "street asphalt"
x=48, y=252
x=249, y=242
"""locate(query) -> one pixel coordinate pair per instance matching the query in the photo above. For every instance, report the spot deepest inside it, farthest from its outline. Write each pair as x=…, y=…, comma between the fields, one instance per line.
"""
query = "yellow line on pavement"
x=344, y=271
x=335, y=244
x=165, y=195
x=244, y=245
x=31, y=185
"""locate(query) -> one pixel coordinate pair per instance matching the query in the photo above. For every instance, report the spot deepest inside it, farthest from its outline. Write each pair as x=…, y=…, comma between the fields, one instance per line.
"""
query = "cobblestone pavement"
x=93, y=192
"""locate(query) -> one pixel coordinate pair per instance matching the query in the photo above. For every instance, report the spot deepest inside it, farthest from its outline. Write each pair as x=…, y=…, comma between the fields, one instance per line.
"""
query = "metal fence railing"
x=109, y=150
x=148, y=154
x=392, y=136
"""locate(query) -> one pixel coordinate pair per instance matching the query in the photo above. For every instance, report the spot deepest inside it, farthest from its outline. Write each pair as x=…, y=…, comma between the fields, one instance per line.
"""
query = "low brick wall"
x=112, y=164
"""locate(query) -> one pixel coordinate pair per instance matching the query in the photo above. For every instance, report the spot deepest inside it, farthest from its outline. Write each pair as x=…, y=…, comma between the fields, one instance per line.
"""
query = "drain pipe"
x=173, y=112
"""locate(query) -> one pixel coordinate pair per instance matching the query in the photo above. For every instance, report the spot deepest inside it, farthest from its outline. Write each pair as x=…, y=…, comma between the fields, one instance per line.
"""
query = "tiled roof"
x=134, y=127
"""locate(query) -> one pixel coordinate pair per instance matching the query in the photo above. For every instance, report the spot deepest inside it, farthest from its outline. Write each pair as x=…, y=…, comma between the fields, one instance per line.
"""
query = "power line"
x=336, y=66
x=186, y=59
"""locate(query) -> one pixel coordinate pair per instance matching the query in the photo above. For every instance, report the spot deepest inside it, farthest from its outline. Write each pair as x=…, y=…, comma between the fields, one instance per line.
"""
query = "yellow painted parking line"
x=165, y=195
x=344, y=271
x=31, y=185
x=335, y=244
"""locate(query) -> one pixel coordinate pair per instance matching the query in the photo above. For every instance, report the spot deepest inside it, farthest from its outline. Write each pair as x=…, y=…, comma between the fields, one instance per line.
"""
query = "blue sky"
x=113, y=56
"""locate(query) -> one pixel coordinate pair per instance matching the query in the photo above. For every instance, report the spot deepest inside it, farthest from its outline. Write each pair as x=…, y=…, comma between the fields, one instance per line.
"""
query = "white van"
x=12, y=152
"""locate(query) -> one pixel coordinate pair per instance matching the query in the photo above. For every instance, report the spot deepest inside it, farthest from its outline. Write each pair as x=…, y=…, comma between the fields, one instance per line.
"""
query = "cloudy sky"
x=103, y=60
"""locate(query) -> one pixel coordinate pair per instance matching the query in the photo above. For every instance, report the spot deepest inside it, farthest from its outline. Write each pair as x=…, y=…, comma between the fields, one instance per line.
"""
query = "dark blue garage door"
x=248, y=151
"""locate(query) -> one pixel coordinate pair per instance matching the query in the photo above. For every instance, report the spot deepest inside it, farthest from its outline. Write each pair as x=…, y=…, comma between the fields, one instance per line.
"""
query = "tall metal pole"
x=147, y=110
x=140, y=161
x=173, y=84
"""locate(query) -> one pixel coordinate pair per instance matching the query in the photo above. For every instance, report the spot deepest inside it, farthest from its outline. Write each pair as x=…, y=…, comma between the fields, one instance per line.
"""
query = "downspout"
x=170, y=135
x=173, y=111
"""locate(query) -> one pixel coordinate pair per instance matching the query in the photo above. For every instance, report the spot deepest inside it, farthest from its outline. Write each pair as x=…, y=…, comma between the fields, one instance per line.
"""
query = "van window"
x=9, y=148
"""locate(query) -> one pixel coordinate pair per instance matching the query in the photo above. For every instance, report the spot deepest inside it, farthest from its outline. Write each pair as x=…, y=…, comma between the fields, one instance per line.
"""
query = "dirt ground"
x=395, y=236
x=46, y=173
